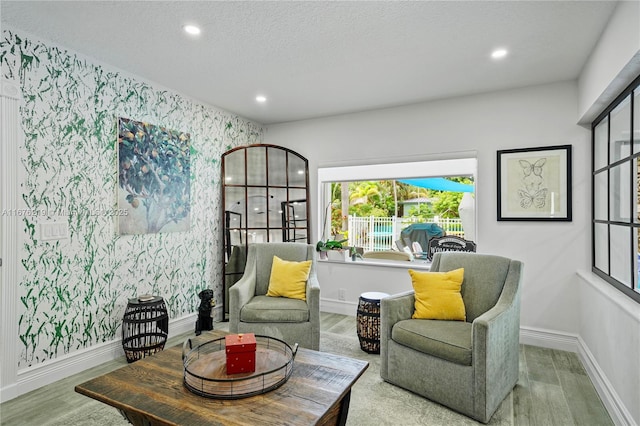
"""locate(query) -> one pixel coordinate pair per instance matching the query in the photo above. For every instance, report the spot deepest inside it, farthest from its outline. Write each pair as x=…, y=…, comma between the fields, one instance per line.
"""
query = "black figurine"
x=205, y=322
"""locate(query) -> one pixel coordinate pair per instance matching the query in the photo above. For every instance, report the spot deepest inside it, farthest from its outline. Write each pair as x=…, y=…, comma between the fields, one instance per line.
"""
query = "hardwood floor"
x=553, y=389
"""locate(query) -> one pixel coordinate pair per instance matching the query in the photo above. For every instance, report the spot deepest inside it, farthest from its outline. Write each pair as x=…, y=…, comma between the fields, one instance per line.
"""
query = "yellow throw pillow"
x=438, y=295
x=289, y=279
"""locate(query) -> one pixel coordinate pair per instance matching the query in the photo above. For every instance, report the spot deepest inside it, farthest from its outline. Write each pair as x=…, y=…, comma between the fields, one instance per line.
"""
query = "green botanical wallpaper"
x=73, y=291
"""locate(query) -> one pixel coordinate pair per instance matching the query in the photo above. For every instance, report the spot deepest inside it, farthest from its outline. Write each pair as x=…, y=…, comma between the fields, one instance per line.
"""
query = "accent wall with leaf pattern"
x=73, y=291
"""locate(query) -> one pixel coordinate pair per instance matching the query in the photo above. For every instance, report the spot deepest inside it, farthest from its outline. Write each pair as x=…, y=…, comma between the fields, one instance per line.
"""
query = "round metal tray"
x=205, y=368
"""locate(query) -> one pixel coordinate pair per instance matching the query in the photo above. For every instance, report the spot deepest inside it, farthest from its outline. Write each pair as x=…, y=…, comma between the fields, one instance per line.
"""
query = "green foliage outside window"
x=383, y=199
x=423, y=211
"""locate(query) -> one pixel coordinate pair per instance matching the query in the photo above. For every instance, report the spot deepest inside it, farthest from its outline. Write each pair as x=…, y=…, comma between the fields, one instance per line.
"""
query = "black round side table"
x=145, y=327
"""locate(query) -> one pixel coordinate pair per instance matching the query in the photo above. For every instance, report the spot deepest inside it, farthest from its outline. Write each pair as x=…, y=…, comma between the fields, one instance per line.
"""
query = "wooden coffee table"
x=151, y=392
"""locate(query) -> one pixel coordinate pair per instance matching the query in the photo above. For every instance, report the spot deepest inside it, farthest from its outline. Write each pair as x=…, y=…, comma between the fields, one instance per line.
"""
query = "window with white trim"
x=405, y=172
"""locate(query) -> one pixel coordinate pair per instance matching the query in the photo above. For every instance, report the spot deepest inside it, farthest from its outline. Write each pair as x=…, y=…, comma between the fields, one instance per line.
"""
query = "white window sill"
x=415, y=264
x=614, y=295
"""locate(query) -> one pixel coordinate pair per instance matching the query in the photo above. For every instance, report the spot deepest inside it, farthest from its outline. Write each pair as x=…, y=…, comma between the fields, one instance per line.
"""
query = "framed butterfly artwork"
x=534, y=184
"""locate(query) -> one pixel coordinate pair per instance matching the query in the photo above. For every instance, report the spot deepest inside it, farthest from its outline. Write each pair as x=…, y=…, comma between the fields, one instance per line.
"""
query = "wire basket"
x=205, y=369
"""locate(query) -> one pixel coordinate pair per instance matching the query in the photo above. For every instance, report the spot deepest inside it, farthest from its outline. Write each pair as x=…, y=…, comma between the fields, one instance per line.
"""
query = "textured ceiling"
x=319, y=58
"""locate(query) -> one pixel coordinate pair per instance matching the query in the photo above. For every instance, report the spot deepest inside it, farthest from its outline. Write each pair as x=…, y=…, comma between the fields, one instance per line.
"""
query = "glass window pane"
x=234, y=206
x=601, y=245
x=619, y=193
x=636, y=186
x=257, y=236
x=601, y=142
x=277, y=164
x=297, y=171
x=636, y=121
x=298, y=195
x=236, y=237
x=277, y=197
x=298, y=208
x=296, y=234
x=600, y=195
x=621, y=255
x=620, y=130
x=234, y=168
x=276, y=235
x=299, y=211
x=257, y=208
x=257, y=166
x=636, y=260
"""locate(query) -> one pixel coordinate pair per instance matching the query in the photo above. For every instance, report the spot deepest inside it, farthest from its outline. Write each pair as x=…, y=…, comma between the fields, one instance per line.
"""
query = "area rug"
x=373, y=401
x=91, y=413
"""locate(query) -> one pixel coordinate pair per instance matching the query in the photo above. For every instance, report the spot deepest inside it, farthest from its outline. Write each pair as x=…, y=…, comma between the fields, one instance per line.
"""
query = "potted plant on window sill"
x=331, y=249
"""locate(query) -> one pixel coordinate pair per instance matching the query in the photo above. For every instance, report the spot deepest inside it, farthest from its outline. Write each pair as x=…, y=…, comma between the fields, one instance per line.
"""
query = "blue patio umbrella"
x=439, y=184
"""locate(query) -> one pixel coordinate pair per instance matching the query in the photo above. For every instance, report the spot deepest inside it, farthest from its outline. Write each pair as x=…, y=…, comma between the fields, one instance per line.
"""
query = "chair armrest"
x=313, y=298
x=492, y=329
x=239, y=295
x=496, y=342
x=313, y=303
x=394, y=308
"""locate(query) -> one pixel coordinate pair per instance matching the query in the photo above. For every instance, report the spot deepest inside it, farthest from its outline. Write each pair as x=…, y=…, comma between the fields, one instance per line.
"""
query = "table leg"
x=344, y=409
x=337, y=414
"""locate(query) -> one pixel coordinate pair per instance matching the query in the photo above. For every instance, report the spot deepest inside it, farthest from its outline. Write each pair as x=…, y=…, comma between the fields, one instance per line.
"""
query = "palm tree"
x=364, y=192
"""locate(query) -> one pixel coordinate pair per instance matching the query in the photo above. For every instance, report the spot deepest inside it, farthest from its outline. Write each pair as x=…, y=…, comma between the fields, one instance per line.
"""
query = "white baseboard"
x=67, y=365
x=617, y=410
x=8, y=392
x=338, y=307
x=549, y=339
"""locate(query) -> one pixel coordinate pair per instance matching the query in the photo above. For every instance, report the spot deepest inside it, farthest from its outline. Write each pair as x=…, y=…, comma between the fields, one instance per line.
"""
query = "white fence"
x=380, y=233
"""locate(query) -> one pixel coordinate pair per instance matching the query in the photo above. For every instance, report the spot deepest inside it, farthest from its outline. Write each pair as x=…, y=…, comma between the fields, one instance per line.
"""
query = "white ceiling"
x=320, y=58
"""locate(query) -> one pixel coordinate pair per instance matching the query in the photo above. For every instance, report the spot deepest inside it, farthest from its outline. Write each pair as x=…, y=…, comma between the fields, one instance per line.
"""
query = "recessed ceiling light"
x=261, y=99
x=191, y=29
x=499, y=53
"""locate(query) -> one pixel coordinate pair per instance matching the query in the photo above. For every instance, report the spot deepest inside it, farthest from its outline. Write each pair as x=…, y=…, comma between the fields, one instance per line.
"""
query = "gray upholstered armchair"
x=291, y=320
x=469, y=366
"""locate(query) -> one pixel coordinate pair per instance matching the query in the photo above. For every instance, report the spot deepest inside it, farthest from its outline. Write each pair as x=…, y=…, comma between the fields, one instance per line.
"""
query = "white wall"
x=610, y=343
x=613, y=64
x=529, y=117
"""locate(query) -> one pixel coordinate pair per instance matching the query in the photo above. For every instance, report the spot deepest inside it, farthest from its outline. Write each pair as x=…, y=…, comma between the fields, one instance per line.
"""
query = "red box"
x=241, y=353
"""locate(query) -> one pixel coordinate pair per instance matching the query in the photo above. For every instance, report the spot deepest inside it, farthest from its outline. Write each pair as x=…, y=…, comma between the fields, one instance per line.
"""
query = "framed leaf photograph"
x=534, y=184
